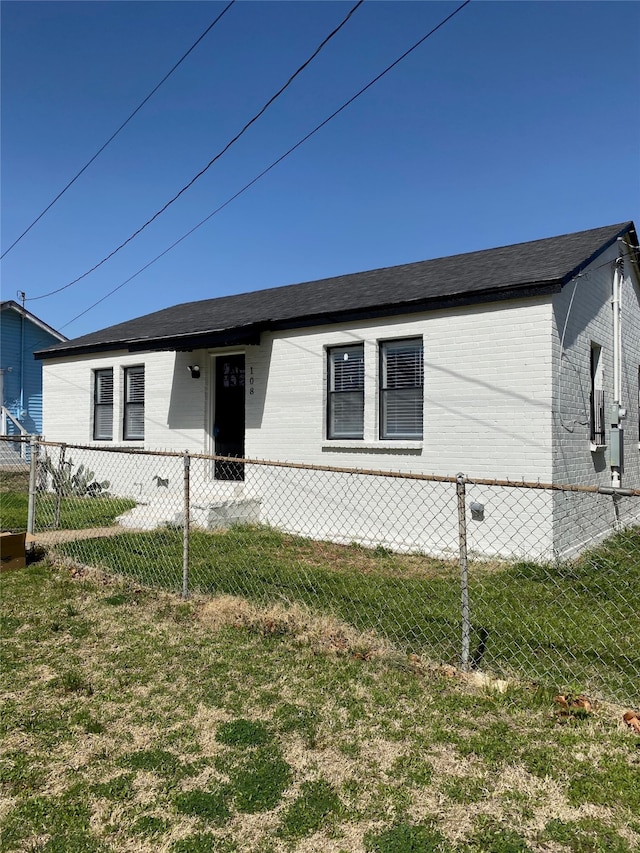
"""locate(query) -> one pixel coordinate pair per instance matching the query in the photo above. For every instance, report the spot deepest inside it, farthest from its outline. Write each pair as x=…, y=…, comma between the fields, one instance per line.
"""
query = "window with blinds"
x=103, y=405
x=133, y=403
x=401, y=389
x=345, y=398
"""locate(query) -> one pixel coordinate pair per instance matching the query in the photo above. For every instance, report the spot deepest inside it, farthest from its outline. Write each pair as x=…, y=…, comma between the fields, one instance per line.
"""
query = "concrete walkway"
x=49, y=538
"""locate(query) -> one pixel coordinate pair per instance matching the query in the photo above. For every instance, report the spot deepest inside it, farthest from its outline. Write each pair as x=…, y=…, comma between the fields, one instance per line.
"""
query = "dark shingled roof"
x=493, y=274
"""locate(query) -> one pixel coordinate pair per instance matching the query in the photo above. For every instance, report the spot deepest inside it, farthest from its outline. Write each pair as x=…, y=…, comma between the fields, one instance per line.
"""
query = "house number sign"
x=251, y=380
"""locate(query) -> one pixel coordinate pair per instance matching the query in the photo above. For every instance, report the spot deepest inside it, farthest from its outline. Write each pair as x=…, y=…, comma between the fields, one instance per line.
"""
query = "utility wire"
x=272, y=166
x=122, y=126
x=212, y=161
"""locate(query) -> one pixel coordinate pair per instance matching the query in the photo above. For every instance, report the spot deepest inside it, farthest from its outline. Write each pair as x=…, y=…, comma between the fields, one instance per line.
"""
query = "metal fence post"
x=31, y=512
x=464, y=576
x=185, y=553
x=59, y=486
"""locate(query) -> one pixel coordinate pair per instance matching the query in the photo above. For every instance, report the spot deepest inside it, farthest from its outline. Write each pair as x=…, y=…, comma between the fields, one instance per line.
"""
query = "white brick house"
x=501, y=364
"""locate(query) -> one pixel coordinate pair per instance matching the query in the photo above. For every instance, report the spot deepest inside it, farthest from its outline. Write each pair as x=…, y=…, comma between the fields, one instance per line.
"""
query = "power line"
x=212, y=161
x=122, y=126
x=272, y=166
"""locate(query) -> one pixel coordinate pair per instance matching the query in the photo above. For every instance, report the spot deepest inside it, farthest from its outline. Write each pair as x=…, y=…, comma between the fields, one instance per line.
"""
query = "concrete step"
x=168, y=510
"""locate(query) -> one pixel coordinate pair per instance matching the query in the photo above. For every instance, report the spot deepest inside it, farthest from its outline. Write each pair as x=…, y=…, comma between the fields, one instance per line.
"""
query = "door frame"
x=211, y=391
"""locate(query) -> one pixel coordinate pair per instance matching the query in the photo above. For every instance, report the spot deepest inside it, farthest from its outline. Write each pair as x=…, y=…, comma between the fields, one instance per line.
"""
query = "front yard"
x=568, y=624
x=134, y=721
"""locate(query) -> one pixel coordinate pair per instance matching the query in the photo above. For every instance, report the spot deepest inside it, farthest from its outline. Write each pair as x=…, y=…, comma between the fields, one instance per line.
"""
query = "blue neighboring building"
x=21, y=333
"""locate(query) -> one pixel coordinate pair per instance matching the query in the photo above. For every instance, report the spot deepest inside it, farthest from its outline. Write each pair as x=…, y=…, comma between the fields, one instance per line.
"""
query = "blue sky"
x=515, y=121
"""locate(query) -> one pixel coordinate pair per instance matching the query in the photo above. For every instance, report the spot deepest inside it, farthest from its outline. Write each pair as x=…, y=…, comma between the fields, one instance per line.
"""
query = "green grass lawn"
x=132, y=720
x=76, y=513
x=562, y=624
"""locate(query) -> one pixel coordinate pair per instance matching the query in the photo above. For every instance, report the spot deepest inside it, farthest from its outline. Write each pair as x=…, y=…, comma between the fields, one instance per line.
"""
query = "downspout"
x=3, y=421
x=22, y=295
x=617, y=411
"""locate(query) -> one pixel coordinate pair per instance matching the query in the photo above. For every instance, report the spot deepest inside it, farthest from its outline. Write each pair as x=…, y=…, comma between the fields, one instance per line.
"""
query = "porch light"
x=194, y=370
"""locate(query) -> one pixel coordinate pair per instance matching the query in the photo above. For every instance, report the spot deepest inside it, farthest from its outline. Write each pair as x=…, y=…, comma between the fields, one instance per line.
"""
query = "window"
x=596, y=407
x=133, y=403
x=345, y=403
x=103, y=404
x=401, y=389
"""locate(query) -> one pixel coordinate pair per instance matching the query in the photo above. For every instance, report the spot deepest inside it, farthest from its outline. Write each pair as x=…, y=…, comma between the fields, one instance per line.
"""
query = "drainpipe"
x=22, y=295
x=617, y=411
x=3, y=422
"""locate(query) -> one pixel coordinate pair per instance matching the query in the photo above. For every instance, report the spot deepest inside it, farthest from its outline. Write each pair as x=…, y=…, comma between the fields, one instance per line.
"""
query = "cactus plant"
x=80, y=484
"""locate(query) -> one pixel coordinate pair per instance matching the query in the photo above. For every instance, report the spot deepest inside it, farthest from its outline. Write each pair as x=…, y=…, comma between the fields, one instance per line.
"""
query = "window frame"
x=129, y=406
x=597, y=417
x=333, y=395
x=100, y=405
x=384, y=391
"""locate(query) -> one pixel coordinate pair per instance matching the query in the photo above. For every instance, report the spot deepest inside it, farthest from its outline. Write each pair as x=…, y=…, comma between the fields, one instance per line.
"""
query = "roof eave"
x=213, y=338
x=419, y=305
x=250, y=335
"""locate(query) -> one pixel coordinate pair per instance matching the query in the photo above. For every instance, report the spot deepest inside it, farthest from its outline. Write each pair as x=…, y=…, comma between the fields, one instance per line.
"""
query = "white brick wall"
x=500, y=403
x=175, y=407
x=175, y=404
x=487, y=413
x=487, y=393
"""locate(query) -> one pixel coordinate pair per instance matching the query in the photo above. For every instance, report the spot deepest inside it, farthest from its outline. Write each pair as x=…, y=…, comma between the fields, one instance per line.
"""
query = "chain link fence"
x=530, y=581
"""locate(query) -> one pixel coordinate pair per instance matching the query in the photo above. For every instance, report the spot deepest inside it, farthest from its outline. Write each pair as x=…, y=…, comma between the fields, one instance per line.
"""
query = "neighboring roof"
x=493, y=274
x=10, y=305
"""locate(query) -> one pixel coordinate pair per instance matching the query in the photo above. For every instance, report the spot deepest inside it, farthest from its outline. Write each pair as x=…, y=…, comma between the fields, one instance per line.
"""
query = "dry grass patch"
x=322, y=634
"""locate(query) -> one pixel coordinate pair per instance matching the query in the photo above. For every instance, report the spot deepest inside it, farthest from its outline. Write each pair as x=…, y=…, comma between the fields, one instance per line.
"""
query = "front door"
x=228, y=426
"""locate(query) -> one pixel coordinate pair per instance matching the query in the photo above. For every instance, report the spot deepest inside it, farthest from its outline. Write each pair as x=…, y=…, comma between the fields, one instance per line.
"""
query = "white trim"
x=9, y=304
